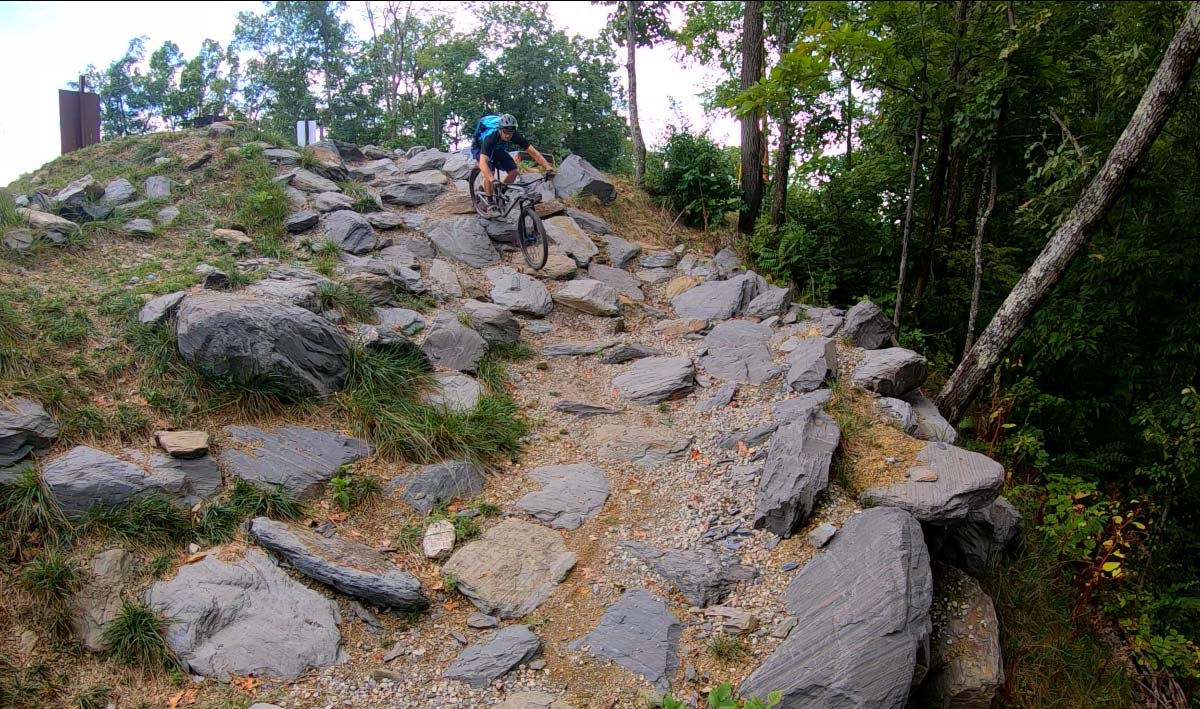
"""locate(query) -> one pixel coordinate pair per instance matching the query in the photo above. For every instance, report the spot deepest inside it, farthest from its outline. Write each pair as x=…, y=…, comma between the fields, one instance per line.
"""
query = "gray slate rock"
x=638, y=633
x=282, y=156
x=645, y=445
x=661, y=259
x=492, y=322
x=656, y=379
x=425, y=160
x=294, y=286
x=619, y=354
x=655, y=276
x=157, y=187
x=299, y=459
x=512, y=568
x=720, y=399
x=812, y=362
x=696, y=266
x=185, y=482
x=716, y=300
x=575, y=175
x=966, y=666
x=463, y=239
x=738, y=351
x=25, y=428
x=572, y=495
x=590, y=222
x=575, y=349
x=443, y=281
x=727, y=262
x=966, y=481
x=589, y=296
x=242, y=336
x=401, y=320
x=84, y=477
x=119, y=191
x=435, y=484
x=828, y=321
x=894, y=371
x=481, y=664
x=306, y=181
x=354, y=569
x=351, y=231
x=518, y=292
x=930, y=424
x=98, y=603
x=455, y=392
x=899, y=411
x=800, y=407
x=564, y=233
x=167, y=215
x=620, y=280
x=796, y=473
x=332, y=202
x=452, y=345
x=820, y=536
x=749, y=437
x=980, y=540
x=246, y=617
x=139, y=227
x=862, y=609
x=410, y=194
x=374, y=170
x=458, y=166
x=18, y=239
x=583, y=410
x=620, y=251
x=770, y=303
x=704, y=577
x=867, y=327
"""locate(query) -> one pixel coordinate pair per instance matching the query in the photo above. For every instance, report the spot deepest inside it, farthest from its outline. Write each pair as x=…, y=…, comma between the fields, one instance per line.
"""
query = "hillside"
x=315, y=415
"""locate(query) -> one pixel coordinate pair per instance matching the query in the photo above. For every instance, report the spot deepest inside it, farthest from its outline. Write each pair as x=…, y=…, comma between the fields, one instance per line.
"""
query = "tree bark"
x=1157, y=104
x=849, y=121
x=783, y=154
x=908, y=212
x=635, y=126
x=752, y=139
x=989, y=179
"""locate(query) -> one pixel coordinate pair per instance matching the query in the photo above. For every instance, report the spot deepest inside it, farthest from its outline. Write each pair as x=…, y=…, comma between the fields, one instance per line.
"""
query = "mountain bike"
x=531, y=233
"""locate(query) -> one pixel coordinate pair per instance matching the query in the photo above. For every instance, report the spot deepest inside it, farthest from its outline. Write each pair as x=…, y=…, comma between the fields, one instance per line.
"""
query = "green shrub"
x=150, y=519
x=135, y=638
x=694, y=178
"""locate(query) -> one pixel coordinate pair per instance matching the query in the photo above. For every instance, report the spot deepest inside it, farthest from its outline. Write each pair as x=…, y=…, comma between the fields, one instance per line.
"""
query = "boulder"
x=619, y=354
x=656, y=379
x=425, y=160
x=738, y=351
x=25, y=428
x=458, y=166
x=245, y=616
x=302, y=221
x=704, y=577
x=167, y=215
x=410, y=194
x=519, y=293
x=862, y=608
x=512, y=568
x=157, y=187
x=589, y=296
x=352, y=568
x=401, y=320
x=726, y=262
x=679, y=286
x=84, y=477
x=374, y=170
x=812, y=363
x=655, y=276
x=481, y=664
x=748, y=437
x=306, y=181
x=572, y=495
x=119, y=191
x=294, y=286
x=620, y=251
x=645, y=445
x=966, y=666
x=582, y=410
x=620, y=280
x=716, y=300
x=894, y=371
x=439, y=540
x=452, y=345
x=494, y=323
x=184, y=482
x=930, y=424
x=577, y=176
x=332, y=202
x=899, y=411
x=300, y=460
x=638, y=633
x=433, y=485
x=696, y=266
x=98, y=603
x=963, y=481
x=282, y=156
x=47, y=221
x=232, y=238
x=976, y=543
x=796, y=472
x=85, y=189
x=564, y=233
x=463, y=239
x=589, y=222
x=660, y=259
x=351, y=231
x=443, y=281
x=771, y=302
x=454, y=392
x=867, y=327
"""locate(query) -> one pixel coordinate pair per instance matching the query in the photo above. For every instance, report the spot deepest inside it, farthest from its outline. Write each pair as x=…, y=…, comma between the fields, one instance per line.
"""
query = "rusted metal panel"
x=78, y=119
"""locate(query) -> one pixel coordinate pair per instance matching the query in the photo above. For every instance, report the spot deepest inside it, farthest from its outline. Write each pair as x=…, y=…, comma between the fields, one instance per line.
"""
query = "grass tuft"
x=352, y=490
x=29, y=512
x=151, y=520
x=347, y=301
x=726, y=648
x=135, y=638
x=28, y=687
x=364, y=201
x=254, y=501
x=51, y=578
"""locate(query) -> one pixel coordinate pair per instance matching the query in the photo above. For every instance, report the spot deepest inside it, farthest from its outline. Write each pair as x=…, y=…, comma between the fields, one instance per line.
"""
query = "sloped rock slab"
x=572, y=495
x=354, y=569
x=716, y=300
x=619, y=354
x=512, y=569
x=966, y=665
x=796, y=472
x=84, y=477
x=300, y=459
x=519, y=293
x=245, y=616
x=452, y=345
x=867, y=327
x=894, y=371
x=492, y=322
x=704, y=577
x=620, y=280
x=738, y=352
x=930, y=424
x=589, y=296
x=434, y=484
x=98, y=603
x=590, y=222
x=656, y=379
x=638, y=633
x=481, y=664
x=812, y=362
x=464, y=240
x=862, y=611
x=564, y=233
x=294, y=286
x=644, y=445
x=25, y=428
x=577, y=176
x=455, y=392
x=582, y=410
x=160, y=309
x=966, y=481
x=410, y=194
x=981, y=539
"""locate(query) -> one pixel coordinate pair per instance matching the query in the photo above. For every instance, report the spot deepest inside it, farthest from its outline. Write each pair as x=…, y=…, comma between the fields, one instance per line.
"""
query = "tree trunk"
x=783, y=154
x=849, y=121
x=635, y=126
x=908, y=211
x=752, y=139
x=1156, y=106
x=989, y=183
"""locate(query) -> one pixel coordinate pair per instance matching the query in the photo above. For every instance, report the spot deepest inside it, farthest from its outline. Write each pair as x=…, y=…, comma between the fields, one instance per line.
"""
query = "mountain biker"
x=491, y=148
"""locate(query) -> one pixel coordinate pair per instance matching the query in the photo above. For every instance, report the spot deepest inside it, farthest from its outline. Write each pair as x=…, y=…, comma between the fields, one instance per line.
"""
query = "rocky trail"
x=718, y=484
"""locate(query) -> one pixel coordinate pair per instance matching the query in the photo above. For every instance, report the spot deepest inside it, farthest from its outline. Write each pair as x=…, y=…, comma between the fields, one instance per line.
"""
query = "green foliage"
x=723, y=697
x=52, y=578
x=346, y=300
x=726, y=648
x=693, y=178
x=135, y=638
x=254, y=501
x=25, y=686
x=351, y=490
x=94, y=698
x=149, y=519
x=29, y=511
x=364, y=201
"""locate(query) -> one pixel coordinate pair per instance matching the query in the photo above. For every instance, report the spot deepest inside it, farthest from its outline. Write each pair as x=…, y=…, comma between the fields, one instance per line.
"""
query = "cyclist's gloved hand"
x=549, y=174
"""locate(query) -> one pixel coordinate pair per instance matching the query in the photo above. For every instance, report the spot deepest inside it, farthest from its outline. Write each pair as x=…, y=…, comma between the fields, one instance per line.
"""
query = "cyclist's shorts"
x=500, y=160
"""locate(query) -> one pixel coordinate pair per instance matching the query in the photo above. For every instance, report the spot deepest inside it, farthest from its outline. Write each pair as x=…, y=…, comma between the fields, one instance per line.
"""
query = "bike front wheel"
x=531, y=234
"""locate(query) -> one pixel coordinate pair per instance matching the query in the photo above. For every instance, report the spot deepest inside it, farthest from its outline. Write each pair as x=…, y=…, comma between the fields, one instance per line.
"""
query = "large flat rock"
x=242, y=615
x=354, y=569
x=704, y=577
x=738, y=351
x=894, y=371
x=620, y=280
x=452, y=345
x=25, y=428
x=966, y=664
x=966, y=481
x=492, y=322
x=512, y=569
x=480, y=664
x=433, y=485
x=84, y=477
x=656, y=379
x=463, y=239
x=645, y=445
x=564, y=233
x=572, y=495
x=862, y=611
x=519, y=293
x=639, y=633
x=717, y=300
x=866, y=326
x=300, y=459
x=796, y=472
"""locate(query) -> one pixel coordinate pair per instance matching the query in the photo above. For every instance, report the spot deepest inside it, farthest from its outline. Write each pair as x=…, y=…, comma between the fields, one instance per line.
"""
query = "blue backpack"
x=485, y=127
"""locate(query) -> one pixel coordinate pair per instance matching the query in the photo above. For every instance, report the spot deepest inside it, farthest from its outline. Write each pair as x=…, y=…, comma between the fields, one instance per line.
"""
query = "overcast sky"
x=44, y=45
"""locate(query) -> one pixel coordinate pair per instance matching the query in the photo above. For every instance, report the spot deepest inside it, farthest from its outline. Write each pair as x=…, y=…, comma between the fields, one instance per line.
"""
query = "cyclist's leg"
x=505, y=162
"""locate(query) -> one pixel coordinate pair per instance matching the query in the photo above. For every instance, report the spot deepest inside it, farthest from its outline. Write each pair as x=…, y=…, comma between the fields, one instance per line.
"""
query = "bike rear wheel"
x=478, y=195
x=531, y=234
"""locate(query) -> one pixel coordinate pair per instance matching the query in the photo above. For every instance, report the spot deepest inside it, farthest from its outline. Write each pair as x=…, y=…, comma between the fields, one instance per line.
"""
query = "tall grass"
x=135, y=638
